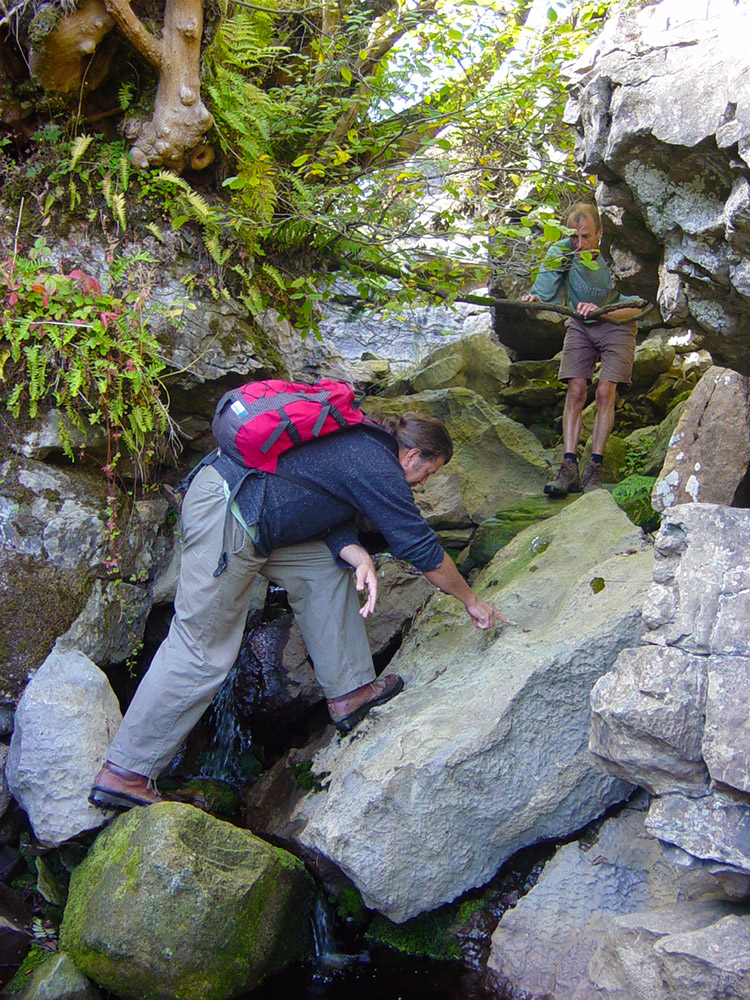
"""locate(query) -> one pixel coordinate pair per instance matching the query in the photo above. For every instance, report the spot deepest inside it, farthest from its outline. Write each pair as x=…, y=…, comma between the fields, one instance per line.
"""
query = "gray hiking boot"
x=566, y=481
x=592, y=477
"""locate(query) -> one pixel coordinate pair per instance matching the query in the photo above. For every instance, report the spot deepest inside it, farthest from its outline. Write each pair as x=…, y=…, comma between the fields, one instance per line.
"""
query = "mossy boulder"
x=171, y=902
x=652, y=358
x=497, y=531
x=477, y=363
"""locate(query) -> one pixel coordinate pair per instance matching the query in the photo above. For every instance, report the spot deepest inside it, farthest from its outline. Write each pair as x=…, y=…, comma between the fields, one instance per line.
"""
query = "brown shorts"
x=585, y=343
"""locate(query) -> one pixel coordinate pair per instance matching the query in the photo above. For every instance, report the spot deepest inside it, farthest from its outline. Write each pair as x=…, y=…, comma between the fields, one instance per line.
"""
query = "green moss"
x=33, y=960
x=428, y=935
x=597, y=584
x=633, y=495
x=349, y=905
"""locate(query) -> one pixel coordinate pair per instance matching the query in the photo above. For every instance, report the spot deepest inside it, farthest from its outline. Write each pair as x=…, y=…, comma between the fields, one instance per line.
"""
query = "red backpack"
x=259, y=421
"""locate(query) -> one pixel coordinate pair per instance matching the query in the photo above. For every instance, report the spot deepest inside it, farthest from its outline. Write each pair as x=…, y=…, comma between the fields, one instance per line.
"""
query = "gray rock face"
x=709, y=451
x=716, y=827
x=699, y=599
x=647, y=719
x=440, y=764
x=58, y=979
x=672, y=715
x=405, y=338
x=662, y=99
x=543, y=946
x=54, y=548
x=697, y=950
x=64, y=724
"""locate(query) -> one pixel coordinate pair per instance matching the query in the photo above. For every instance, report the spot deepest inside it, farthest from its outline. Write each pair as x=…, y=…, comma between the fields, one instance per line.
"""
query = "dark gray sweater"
x=360, y=470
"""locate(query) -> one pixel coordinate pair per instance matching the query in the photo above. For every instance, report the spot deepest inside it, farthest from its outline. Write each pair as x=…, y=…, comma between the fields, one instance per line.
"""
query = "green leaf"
x=346, y=74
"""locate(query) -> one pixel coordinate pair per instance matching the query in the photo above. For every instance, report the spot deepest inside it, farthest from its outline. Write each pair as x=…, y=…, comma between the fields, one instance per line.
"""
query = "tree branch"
x=140, y=37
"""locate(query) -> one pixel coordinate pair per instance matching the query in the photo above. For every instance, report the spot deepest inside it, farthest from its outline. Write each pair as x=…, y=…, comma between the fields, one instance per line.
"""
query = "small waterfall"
x=322, y=927
x=229, y=740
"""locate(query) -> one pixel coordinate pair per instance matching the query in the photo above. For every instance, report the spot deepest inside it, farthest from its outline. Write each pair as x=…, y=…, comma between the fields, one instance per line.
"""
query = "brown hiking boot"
x=566, y=481
x=117, y=788
x=592, y=477
x=351, y=708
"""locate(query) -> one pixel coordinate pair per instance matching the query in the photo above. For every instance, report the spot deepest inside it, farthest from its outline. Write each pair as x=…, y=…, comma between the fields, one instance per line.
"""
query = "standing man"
x=296, y=529
x=565, y=278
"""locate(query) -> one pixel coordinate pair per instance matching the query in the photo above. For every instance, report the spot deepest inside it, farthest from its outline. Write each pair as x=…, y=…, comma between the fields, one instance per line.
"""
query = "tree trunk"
x=180, y=119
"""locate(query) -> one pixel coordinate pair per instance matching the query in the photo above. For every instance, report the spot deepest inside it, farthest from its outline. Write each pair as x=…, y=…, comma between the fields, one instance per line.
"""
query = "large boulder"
x=64, y=724
x=59, y=548
x=486, y=747
x=671, y=715
x=699, y=599
x=496, y=461
x=543, y=946
x=170, y=902
x=662, y=103
x=647, y=719
x=478, y=363
x=679, y=951
x=709, y=451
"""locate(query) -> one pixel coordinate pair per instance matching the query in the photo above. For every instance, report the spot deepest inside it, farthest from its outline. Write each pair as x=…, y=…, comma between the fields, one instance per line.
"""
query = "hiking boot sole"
x=105, y=798
x=349, y=721
x=554, y=491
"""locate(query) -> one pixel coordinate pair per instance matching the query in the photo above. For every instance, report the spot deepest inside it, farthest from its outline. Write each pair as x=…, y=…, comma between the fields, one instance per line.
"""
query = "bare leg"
x=575, y=400
x=606, y=393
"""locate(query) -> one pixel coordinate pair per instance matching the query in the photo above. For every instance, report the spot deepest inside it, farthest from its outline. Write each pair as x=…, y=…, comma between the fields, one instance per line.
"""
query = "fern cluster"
x=68, y=342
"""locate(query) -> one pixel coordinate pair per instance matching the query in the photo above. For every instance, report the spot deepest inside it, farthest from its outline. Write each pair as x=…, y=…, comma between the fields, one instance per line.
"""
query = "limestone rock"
x=439, y=764
x=64, y=724
x=726, y=734
x=110, y=628
x=648, y=955
x=700, y=599
x=496, y=462
x=647, y=719
x=652, y=358
x=543, y=946
x=478, y=363
x=58, y=979
x=662, y=101
x=45, y=435
x=714, y=827
x=709, y=451
x=405, y=337
x=54, y=545
x=171, y=902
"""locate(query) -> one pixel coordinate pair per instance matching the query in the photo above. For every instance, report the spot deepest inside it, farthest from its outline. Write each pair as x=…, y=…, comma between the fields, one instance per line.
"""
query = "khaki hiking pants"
x=206, y=632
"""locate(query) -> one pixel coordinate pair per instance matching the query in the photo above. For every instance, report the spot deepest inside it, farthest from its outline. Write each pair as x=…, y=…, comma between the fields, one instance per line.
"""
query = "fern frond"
x=118, y=209
x=273, y=273
x=78, y=149
x=155, y=231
